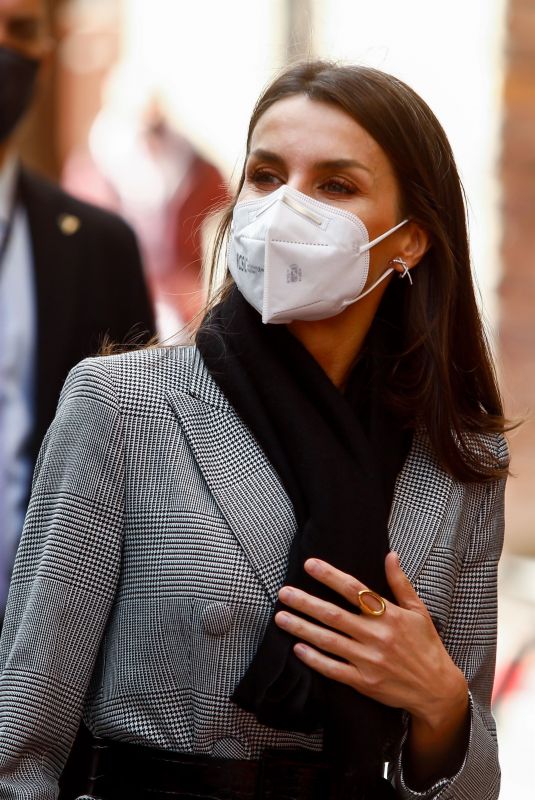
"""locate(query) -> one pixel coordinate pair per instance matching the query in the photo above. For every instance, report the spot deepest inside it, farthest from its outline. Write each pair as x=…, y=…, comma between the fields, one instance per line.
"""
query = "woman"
x=205, y=572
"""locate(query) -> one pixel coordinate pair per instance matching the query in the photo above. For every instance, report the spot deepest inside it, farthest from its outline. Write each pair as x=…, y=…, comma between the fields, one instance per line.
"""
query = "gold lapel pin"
x=68, y=224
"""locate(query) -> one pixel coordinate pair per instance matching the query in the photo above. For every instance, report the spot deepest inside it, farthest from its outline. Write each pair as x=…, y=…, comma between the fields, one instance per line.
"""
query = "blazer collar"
x=242, y=481
x=55, y=254
x=57, y=260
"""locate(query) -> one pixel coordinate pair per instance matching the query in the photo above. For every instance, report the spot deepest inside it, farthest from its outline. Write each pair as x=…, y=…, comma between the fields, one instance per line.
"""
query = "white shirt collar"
x=8, y=181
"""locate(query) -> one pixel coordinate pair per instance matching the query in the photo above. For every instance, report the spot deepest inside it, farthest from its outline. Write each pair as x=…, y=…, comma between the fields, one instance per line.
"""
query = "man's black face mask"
x=17, y=81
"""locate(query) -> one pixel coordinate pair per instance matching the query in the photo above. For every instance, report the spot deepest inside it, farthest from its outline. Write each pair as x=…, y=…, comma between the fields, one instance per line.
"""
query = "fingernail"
x=282, y=618
x=313, y=566
x=300, y=649
x=286, y=593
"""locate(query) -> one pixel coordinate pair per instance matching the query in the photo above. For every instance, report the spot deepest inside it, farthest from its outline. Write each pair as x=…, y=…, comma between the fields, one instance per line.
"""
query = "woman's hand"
x=397, y=658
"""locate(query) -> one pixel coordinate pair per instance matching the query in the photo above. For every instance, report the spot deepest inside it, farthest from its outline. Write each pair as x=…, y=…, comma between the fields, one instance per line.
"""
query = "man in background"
x=70, y=274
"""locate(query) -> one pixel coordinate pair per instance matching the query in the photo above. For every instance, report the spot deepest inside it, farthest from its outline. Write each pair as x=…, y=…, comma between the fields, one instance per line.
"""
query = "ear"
x=414, y=243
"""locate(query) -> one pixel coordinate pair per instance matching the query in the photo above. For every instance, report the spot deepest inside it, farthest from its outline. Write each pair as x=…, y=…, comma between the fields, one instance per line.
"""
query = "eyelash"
x=262, y=176
x=347, y=188
x=265, y=178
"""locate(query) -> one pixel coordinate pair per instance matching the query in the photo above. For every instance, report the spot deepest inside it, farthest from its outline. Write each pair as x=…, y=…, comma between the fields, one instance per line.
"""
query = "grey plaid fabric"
x=153, y=549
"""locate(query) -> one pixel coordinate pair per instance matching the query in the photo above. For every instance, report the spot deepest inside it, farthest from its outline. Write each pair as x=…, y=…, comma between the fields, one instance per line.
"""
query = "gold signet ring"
x=372, y=611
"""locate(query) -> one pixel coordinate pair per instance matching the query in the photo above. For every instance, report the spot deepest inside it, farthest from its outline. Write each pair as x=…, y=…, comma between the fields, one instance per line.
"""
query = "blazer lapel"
x=55, y=290
x=242, y=481
x=421, y=497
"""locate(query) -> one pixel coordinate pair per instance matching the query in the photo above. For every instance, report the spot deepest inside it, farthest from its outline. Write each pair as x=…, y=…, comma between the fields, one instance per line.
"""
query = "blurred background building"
x=143, y=94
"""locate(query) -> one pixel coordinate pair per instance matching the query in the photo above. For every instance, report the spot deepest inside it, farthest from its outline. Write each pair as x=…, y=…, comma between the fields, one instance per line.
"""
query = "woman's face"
x=320, y=150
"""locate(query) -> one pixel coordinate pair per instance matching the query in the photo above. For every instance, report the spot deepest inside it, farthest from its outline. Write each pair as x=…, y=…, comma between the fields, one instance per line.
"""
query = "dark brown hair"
x=442, y=377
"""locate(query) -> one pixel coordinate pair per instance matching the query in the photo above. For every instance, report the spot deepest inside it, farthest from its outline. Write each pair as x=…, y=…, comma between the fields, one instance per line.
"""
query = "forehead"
x=298, y=124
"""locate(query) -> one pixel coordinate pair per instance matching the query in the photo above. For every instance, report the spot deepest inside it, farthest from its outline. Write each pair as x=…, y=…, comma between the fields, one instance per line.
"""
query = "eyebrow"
x=337, y=163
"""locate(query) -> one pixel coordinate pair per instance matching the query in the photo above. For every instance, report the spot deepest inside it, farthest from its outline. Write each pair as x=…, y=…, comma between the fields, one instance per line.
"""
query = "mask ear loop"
x=406, y=272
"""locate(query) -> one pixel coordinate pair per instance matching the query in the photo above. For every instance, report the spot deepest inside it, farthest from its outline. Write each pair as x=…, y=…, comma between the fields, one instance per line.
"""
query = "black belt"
x=119, y=771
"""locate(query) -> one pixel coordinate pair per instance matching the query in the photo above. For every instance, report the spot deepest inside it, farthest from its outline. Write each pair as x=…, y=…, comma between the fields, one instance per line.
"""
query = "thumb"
x=401, y=586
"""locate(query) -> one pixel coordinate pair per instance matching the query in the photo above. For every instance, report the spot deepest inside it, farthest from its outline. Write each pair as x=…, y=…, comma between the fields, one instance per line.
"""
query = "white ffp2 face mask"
x=293, y=257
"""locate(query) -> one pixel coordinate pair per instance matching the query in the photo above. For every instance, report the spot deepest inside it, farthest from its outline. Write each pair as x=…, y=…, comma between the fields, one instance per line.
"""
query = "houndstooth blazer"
x=154, y=545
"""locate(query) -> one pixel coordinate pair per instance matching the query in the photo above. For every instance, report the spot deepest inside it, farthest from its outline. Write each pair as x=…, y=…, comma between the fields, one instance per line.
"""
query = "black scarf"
x=337, y=456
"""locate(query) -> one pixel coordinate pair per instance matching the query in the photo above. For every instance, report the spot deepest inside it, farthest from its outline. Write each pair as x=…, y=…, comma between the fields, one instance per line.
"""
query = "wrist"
x=446, y=707
x=438, y=736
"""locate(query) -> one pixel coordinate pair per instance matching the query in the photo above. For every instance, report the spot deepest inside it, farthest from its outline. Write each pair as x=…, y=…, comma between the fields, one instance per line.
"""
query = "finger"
x=327, y=613
x=401, y=586
x=346, y=585
x=336, y=670
x=330, y=641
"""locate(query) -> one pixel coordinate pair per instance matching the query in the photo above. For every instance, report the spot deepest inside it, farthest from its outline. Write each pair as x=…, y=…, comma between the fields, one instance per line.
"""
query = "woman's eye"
x=338, y=187
x=263, y=178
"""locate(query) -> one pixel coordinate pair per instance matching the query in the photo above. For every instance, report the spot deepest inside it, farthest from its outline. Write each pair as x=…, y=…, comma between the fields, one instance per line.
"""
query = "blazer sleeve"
x=470, y=639
x=63, y=585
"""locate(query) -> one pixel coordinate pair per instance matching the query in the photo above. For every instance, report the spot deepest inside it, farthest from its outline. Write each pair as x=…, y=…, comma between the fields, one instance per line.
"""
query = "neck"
x=335, y=343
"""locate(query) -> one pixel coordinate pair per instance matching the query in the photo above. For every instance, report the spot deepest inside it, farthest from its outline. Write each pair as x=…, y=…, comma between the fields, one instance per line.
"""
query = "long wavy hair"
x=442, y=376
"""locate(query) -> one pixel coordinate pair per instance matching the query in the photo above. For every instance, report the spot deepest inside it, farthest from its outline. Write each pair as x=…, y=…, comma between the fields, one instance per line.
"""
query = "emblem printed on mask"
x=244, y=265
x=294, y=273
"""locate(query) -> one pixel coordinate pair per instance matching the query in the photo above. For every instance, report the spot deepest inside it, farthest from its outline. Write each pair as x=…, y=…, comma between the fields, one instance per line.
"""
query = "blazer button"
x=216, y=619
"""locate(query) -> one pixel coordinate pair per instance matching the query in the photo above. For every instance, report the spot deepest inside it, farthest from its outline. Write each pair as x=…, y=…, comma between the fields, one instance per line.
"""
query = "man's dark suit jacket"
x=88, y=283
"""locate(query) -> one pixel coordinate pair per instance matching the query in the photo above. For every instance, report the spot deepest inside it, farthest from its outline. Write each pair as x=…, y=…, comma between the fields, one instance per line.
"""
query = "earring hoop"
x=406, y=272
